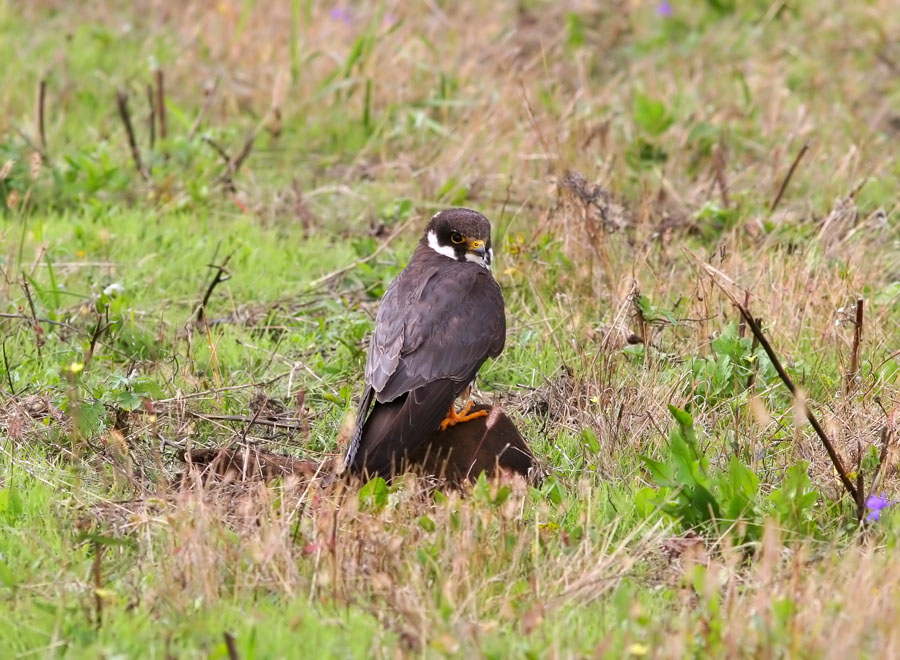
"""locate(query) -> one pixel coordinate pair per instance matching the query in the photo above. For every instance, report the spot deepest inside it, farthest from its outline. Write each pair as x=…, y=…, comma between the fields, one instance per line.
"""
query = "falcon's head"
x=461, y=234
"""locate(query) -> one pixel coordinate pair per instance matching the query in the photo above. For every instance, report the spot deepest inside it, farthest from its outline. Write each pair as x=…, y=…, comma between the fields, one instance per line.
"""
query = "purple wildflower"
x=341, y=14
x=664, y=8
x=875, y=504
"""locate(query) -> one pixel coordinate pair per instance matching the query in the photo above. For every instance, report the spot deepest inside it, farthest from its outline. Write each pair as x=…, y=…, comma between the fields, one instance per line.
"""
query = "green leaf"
x=427, y=523
x=663, y=474
x=147, y=387
x=374, y=494
x=127, y=400
x=651, y=115
x=6, y=575
x=554, y=491
x=11, y=503
x=574, y=29
x=590, y=439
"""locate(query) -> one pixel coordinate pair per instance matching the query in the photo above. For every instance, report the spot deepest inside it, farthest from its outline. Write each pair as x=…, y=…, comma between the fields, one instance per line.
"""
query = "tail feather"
x=361, y=414
x=392, y=431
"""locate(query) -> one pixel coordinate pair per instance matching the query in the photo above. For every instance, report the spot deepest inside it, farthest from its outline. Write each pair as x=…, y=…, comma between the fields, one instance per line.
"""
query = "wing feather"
x=437, y=324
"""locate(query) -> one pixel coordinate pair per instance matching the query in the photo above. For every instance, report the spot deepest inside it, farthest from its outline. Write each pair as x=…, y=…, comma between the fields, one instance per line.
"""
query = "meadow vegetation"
x=642, y=163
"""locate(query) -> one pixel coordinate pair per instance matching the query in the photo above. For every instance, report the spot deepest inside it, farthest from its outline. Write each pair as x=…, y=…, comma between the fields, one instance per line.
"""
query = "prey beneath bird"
x=439, y=320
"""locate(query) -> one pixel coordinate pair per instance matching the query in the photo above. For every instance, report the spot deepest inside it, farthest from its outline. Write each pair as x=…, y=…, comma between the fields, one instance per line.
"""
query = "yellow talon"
x=453, y=418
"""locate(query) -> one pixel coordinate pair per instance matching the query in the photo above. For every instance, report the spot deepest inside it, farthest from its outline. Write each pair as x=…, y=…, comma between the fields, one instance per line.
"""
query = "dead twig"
x=161, y=104
x=754, y=326
x=787, y=178
x=231, y=645
x=346, y=269
x=122, y=103
x=99, y=329
x=12, y=389
x=228, y=388
x=6, y=315
x=850, y=384
x=39, y=116
x=221, y=275
x=721, y=180
x=250, y=421
x=151, y=119
x=97, y=574
x=826, y=442
x=38, y=330
x=210, y=94
x=232, y=165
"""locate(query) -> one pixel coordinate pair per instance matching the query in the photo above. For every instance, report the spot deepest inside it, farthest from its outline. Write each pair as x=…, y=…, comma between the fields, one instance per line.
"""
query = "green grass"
x=689, y=510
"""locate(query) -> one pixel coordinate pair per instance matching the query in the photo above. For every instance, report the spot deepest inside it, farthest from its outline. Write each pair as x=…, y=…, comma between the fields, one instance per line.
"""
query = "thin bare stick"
x=99, y=329
x=221, y=275
x=38, y=330
x=217, y=148
x=6, y=315
x=787, y=179
x=210, y=94
x=854, y=352
x=232, y=165
x=161, y=104
x=243, y=153
x=151, y=119
x=97, y=573
x=122, y=102
x=250, y=421
x=231, y=645
x=12, y=389
x=229, y=388
x=346, y=269
x=773, y=358
x=721, y=180
x=39, y=115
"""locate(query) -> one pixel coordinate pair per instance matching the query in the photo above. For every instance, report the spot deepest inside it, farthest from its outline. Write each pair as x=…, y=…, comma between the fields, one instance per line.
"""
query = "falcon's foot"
x=453, y=418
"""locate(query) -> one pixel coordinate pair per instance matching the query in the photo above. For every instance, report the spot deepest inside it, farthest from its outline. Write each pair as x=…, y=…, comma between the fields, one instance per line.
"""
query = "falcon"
x=438, y=322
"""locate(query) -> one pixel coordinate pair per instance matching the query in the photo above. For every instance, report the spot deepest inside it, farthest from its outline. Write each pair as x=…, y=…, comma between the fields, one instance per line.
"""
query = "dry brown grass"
x=541, y=132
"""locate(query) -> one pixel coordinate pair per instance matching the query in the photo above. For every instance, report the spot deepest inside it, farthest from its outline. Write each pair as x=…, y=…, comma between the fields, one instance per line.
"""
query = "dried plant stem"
x=221, y=275
x=161, y=104
x=716, y=276
x=35, y=325
x=151, y=119
x=721, y=179
x=97, y=573
x=787, y=178
x=39, y=116
x=231, y=645
x=99, y=329
x=12, y=389
x=250, y=421
x=854, y=352
x=346, y=269
x=122, y=103
x=826, y=442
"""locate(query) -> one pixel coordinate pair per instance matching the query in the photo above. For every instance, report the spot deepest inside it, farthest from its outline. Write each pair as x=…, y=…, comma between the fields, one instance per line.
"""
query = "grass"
x=689, y=509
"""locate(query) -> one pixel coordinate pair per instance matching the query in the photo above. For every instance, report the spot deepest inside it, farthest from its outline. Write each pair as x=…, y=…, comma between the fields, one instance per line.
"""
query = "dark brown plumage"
x=439, y=320
x=489, y=444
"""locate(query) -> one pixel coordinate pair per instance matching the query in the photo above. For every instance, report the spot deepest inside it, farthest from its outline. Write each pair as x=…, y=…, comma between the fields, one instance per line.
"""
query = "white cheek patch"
x=445, y=250
x=484, y=262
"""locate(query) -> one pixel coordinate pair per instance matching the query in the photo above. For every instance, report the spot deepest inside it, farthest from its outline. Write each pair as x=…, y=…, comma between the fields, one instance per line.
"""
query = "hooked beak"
x=478, y=247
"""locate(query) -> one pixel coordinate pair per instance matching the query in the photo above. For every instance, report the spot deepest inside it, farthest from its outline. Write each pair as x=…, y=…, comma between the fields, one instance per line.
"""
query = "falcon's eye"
x=457, y=238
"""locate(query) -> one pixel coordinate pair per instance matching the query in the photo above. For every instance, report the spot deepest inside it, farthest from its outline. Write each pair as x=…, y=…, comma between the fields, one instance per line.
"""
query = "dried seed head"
x=35, y=164
x=6, y=169
x=12, y=199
